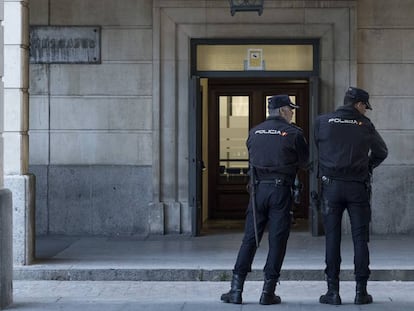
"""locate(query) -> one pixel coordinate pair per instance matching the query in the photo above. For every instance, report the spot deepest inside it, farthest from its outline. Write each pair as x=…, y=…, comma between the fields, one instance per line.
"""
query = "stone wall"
x=90, y=125
x=107, y=140
x=6, y=246
x=386, y=70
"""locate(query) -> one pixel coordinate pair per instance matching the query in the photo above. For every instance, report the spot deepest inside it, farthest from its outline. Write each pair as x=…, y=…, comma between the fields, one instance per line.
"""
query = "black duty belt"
x=328, y=180
x=276, y=181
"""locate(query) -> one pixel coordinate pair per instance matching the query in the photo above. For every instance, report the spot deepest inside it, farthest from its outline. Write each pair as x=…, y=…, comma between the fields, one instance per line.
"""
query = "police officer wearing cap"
x=277, y=149
x=349, y=148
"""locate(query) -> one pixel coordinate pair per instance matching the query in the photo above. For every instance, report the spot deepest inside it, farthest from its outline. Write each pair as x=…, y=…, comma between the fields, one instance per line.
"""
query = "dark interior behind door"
x=228, y=101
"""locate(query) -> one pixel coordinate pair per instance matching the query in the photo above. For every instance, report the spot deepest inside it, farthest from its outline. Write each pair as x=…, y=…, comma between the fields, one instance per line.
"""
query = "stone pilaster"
x=16, y=124
x=6, y=212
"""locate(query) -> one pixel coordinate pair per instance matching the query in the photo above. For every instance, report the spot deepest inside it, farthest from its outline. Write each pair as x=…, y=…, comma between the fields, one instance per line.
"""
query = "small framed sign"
x=255, y=59
x=65, y=45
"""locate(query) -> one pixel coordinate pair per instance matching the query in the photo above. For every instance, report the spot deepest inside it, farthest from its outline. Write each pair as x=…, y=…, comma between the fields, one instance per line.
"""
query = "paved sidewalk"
x=204, y=258
x=191, y=296
x=124, y=274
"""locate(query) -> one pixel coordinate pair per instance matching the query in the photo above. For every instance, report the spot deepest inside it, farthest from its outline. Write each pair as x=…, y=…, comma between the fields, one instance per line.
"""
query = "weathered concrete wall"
x=92, y=199
x=6, y=246
x=97, y=132
x=90, y=125
x=386, y=70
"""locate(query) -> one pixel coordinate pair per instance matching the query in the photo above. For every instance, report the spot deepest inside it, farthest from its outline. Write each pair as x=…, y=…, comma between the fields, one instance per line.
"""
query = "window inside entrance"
x=233, y=132
x=295, y=57
x=234, y=107
x=254, y=57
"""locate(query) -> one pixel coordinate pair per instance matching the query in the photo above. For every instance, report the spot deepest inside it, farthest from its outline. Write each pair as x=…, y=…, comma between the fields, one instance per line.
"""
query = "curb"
x=217, y=275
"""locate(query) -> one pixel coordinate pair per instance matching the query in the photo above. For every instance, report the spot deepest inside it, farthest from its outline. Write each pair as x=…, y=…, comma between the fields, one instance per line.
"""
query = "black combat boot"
x=332, y=295
x=361, y=296
x=268, y=295
x=235, y=293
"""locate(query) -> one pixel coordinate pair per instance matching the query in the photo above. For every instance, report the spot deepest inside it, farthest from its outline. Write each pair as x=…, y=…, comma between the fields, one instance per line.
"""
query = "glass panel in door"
x=233, y=132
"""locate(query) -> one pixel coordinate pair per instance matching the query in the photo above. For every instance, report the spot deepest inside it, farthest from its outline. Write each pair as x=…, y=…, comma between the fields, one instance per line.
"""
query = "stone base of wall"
x=156, y=218
x=6, y=254
x=392, y=200
x=108, y=200
x=391, y=204
x=23, y=190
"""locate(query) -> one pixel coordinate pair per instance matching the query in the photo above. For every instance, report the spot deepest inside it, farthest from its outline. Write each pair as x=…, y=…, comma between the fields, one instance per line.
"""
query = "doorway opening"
x=231, y=80
x=230, y=107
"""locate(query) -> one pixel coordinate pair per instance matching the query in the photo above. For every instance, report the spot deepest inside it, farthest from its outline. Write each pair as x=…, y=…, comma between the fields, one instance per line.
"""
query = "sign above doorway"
x=255, y=59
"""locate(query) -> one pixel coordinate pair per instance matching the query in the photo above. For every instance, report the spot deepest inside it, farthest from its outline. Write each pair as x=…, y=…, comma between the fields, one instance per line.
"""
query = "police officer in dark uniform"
x=349, y=148
x=277, y=149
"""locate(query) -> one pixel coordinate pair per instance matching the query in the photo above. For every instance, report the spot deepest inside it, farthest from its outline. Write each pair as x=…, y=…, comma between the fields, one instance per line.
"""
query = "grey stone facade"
x=385, y=68
x=109, y=142
x=91, y=125
x=92, y=200
x=6, y=257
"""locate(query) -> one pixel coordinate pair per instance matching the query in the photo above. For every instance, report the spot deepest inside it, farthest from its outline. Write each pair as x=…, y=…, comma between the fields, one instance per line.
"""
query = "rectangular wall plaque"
x=255, y=59
x=65, y=45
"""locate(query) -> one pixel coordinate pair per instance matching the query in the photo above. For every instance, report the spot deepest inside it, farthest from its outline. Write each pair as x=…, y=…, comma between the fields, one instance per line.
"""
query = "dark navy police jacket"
x=349, y=146
x=277, y=148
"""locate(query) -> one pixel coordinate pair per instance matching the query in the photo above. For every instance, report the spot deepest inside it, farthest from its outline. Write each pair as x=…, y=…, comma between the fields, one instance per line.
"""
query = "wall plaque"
x=255, y=59
x=65, y=45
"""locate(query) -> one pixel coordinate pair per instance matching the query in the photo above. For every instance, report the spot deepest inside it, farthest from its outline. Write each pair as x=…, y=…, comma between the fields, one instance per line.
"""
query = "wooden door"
x=235, y=106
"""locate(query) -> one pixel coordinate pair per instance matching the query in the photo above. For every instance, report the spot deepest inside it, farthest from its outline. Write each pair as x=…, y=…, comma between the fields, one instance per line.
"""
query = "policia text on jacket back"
x=276, y=150
x=349, y=148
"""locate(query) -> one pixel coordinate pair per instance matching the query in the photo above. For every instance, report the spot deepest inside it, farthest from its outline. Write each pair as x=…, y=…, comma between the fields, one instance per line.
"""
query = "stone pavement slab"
x=206, y=258
x=171, y=296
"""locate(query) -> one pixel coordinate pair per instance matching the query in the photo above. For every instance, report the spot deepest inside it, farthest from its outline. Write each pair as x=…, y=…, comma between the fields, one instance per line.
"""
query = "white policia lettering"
x=338, y=120
x=270, y=132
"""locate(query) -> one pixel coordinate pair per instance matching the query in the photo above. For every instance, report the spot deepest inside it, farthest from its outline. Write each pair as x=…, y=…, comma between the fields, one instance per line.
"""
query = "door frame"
x=256, y=89
x=195, y=164
x=314, y=100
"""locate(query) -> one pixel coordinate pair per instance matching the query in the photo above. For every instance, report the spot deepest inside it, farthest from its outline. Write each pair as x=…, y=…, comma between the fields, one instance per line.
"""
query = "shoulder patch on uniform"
x=271, y=132
x=345, y=121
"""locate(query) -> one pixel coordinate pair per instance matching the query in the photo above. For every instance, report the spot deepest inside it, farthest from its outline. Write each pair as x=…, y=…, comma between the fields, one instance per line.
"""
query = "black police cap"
x=358, y=95
x=278, y=101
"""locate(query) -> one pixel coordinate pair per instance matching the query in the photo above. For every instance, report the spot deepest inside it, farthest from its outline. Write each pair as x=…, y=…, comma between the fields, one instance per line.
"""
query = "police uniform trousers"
x=273, y=203
x=338, y=195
